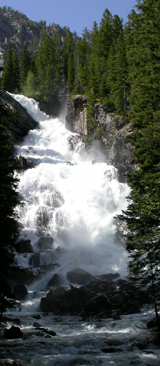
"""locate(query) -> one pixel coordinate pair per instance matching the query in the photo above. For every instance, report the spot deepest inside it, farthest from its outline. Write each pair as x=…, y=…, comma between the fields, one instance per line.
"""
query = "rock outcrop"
x=17, y=120
x=107, y=296
x=110, y=129
x=76, y=119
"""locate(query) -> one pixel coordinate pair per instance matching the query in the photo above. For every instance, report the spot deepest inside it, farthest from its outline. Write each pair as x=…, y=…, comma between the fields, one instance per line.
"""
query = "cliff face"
x=77, y=115
x=16, y=119
x=113, y=133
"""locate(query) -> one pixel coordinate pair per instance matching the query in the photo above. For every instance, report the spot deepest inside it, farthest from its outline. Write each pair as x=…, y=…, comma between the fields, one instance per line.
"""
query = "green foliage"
x=47, y=66
x=25, y=64
x=8, y=78
x=143, y=212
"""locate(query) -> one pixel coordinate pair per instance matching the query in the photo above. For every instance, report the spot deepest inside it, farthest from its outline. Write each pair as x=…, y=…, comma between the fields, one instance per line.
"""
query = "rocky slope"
x=18, y=30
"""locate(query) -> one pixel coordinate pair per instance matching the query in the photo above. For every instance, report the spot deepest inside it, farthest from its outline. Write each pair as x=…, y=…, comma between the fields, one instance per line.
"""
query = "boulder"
x=13, y=333
x=79, y=276
x=24, y=246
x=45, y=242
x=109, y=276
x=62, y=300
x=99, y=297
x=54, y=281
x=111, y=350
x=47, y=331
x=20, y=291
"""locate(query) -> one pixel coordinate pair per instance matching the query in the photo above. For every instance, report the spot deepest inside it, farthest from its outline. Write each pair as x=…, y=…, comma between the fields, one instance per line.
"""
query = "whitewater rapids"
x=69, y=198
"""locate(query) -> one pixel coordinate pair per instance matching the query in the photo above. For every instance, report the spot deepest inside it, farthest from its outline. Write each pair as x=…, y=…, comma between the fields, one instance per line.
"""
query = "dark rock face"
x=110, y=297
x=13, y=333
x=54, y=281
x=79, y=276
x=20, y=291
x=24, y=246
x=21, y=122
x=45, y=242
x=76, y=119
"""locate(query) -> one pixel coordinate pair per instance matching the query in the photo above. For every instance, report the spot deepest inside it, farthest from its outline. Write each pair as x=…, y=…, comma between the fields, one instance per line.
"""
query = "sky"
x=75, y=14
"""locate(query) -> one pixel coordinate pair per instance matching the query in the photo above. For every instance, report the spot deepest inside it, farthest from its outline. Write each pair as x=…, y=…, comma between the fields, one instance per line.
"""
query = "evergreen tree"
x=30, y=89
x=8, y=78
x=67, y=50
x=117, y=75
x=25, y=64
x=143, y=212
x=82, y=62
x=71, y=72
x=8, y=223
x=48, y=70
x=16, y=72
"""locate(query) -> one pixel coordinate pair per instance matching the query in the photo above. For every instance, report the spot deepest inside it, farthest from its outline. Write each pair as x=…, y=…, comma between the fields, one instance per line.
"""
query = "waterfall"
x=68, y=199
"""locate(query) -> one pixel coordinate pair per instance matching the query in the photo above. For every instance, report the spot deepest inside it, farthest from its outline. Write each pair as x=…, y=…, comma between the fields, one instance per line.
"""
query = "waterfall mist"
x=69, y=198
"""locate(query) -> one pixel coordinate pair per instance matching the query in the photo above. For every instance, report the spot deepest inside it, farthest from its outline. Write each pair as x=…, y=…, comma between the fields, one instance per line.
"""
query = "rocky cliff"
x=110, y=130
x=16, y=29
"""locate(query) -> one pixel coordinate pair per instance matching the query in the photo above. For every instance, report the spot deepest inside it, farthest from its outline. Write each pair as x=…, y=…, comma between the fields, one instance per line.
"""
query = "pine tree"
x=117, y=75
x=8, y=223
x=48, y=69
x=143, y=212
x=16, y=72
x=67, y=49
x=82, y=62
x=25, y=64
x=71, y=72
x=8, y=78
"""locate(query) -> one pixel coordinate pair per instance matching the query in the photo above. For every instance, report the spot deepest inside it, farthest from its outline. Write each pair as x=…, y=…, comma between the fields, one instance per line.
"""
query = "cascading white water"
x=74, y=201
x=69, y=198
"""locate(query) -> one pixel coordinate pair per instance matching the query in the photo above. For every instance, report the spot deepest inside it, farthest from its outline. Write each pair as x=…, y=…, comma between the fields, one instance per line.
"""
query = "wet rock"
x=62, y=300
x=109, y=276
x=44, y=330
x=11, y=320
x=34, y=260
x=20, y=291
x=74, y=140
x=36, y=316
x=45, y=242
x=9, y=362
x=111, y=350
x=79, y=276
x=99, y=297
x=152, y=324
x=13, y=333
x=54, y=281
x=24, y=246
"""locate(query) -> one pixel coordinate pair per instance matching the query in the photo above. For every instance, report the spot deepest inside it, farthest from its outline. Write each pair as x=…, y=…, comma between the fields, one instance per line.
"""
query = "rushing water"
x=72, y=199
